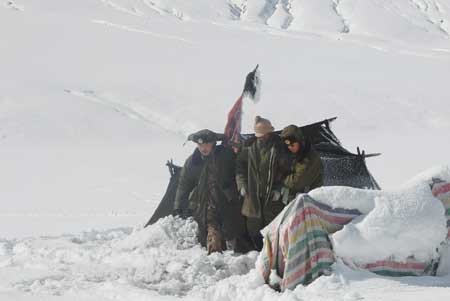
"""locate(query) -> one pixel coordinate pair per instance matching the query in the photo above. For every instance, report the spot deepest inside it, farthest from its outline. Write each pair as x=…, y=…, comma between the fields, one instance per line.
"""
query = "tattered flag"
x=252, y=86
x=234, y=122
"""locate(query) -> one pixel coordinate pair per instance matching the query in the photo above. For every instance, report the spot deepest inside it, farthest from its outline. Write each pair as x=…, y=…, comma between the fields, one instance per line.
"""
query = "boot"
x=214, y=241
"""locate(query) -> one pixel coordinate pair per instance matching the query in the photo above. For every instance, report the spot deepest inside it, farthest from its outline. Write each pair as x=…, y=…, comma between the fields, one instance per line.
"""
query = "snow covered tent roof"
x=341, y=167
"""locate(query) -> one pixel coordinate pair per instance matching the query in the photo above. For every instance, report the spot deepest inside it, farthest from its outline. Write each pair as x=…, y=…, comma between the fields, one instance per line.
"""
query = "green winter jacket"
x=306, y=173
x=259, y=171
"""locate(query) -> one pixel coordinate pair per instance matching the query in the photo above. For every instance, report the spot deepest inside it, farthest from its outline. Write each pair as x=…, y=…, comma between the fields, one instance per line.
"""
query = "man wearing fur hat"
x=259, y=174
x=306, y=168
x=207, y=188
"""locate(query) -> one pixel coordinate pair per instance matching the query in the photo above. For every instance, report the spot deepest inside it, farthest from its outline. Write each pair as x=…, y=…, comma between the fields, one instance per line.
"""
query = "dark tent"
x=342, y=168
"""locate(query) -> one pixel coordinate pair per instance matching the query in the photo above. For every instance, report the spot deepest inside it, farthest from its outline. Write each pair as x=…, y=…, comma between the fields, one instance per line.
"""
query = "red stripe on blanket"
x=339, y=220
x=441, y=189
x=396, y=265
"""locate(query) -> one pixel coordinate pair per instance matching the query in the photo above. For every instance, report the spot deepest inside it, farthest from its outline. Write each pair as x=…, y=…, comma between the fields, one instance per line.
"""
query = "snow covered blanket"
x=388, y=233
x=296, y=243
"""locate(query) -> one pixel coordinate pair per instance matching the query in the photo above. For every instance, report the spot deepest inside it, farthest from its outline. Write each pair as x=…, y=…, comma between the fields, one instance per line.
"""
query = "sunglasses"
x=289, y=142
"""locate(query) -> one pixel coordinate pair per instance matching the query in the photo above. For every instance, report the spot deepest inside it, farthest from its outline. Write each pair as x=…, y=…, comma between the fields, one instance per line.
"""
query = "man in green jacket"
x=207, y=189
x=259, y=178
x=306, y=168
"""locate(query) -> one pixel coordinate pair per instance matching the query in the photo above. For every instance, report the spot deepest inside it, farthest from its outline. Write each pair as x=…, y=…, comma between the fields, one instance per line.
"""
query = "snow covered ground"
x=95, y=96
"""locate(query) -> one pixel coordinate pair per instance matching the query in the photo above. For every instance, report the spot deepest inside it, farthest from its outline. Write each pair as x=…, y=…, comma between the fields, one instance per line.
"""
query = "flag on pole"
x=251, y=91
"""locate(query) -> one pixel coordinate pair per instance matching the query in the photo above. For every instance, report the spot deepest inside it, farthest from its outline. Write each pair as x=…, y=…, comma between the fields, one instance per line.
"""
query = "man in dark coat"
x=259, y=174
x=207, y=188
x=306, y=168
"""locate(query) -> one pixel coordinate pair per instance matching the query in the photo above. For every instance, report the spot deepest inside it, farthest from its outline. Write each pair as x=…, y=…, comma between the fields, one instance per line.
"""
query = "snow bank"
x=164, y=258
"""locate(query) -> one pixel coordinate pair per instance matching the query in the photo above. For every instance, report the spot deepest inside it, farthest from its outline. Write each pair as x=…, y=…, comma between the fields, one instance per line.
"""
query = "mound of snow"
x=346, y=197
x=164, y=258
x=170, y=232
x=410, y=221
x=438, y=172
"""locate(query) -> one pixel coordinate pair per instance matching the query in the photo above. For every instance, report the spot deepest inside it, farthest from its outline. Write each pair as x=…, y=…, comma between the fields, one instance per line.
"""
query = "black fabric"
x=165, y=207
x=341, y=167
x=250, y=84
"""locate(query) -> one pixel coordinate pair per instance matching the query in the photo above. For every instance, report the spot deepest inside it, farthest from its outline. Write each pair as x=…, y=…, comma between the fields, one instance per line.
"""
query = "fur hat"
x=291, y=134
x=205, y=136
x=262, y=126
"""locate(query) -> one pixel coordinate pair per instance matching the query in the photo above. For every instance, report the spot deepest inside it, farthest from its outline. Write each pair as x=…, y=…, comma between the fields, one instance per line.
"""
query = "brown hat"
x=262, y=126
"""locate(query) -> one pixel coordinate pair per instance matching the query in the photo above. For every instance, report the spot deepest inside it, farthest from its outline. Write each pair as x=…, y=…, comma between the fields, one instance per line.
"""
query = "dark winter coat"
x=306, y=172
x=259, y=170
x=207, y=186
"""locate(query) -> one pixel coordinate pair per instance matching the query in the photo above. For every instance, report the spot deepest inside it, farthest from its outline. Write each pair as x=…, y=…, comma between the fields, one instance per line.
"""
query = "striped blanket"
x=296, y=243
x=297, y=248
x=441, y=191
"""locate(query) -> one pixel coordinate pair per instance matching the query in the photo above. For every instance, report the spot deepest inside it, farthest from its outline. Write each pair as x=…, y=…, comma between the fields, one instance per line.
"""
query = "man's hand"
x=243, y=192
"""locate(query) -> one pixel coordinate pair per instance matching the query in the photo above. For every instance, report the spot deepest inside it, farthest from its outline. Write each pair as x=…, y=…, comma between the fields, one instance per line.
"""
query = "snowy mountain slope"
x=401, y=19
x=95, y=96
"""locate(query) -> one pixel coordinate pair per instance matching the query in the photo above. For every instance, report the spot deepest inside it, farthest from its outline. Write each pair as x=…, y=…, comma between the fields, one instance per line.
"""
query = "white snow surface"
x=164, y=259
x=95, y=96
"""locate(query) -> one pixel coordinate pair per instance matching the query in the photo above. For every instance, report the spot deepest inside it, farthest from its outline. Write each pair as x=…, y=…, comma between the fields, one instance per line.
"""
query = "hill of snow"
x=95, y=96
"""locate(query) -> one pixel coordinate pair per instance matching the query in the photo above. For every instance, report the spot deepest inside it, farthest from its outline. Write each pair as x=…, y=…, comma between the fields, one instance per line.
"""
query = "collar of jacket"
x=304, y=151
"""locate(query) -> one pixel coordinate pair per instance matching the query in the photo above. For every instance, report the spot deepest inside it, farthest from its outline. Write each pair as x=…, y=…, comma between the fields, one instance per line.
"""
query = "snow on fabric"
x=346, y=197
x=401, y=223
x=400, y=236
x=404, y=223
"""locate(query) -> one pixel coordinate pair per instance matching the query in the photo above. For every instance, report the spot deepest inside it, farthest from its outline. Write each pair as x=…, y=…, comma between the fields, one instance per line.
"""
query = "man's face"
x=264, y=137
x=294, y=147
x=205, y=148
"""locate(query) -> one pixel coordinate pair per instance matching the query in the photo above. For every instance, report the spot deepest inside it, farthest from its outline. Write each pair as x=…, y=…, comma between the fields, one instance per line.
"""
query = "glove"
x=285, y=195
x=275, y=195
x=242, y=191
